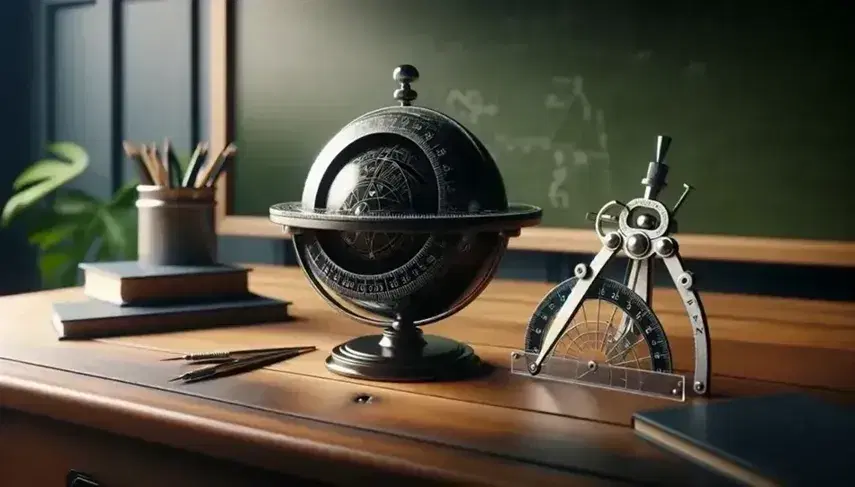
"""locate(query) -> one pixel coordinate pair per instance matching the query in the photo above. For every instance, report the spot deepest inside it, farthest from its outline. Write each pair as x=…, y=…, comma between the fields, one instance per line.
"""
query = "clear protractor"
x=591, y=335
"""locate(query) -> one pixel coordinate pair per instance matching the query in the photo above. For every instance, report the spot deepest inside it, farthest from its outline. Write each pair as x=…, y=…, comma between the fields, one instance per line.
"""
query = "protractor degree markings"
x=609, y=324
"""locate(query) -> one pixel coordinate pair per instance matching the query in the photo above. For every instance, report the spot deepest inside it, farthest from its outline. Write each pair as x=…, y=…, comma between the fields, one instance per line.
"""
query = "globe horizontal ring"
x=295, y=215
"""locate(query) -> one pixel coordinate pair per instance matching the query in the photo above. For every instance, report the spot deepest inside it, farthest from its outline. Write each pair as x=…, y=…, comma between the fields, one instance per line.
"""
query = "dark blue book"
x=97, y=319
x=134, y=283
x=777, y=440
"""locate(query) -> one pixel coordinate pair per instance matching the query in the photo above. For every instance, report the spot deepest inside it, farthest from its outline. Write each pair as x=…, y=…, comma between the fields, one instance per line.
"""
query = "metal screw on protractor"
x=581, y=271
x=699, y=387
x=676, y=390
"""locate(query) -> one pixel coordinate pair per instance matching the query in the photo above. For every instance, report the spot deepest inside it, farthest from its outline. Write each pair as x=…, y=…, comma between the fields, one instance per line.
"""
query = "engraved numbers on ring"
x=395, y=284
x=433, y=141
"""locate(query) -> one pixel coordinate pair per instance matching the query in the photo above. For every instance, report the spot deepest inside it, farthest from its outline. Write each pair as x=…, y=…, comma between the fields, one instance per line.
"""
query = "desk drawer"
x=40, y=452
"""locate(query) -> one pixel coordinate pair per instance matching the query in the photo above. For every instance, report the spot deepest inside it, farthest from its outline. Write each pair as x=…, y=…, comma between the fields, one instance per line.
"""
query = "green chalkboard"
x=568, y=96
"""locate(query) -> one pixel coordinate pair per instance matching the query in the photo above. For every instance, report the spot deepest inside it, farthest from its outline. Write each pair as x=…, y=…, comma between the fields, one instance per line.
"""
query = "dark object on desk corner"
x=225, y=364
x=135, y=283
x=405, y=217
x=96, y=319
x=781, y=439
x=643, y=229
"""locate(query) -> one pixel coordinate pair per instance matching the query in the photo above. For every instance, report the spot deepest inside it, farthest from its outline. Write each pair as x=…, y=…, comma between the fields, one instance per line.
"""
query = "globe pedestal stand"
x=404, y=354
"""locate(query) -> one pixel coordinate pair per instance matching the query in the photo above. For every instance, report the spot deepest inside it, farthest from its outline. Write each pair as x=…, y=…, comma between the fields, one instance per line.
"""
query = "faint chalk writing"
x=471, y=104
x=576, y=84
x=571, y=141
x=557, y=195
x=524, y=144
x=578, y=142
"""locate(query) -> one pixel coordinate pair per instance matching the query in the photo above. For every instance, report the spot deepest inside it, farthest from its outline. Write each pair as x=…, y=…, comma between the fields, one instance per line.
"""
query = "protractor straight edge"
x=661, y=385
x=613, y=341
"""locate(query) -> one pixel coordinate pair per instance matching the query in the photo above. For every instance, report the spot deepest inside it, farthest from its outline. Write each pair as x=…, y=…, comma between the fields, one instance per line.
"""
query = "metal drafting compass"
x=596, y=331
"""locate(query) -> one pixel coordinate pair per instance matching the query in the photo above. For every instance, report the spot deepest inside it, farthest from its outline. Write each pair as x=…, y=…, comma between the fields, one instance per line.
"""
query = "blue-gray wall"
x=108, y=70
x=17, y=264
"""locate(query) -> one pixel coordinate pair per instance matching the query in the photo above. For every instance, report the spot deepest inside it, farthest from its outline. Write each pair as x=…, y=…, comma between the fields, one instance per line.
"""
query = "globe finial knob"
x=404, y=75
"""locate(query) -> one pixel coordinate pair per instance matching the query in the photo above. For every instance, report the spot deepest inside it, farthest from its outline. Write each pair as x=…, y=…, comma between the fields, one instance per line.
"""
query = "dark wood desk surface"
x=298, y=418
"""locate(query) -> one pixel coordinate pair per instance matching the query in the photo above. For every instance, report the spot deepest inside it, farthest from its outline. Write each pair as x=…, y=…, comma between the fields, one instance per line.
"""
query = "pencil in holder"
x=176, y=226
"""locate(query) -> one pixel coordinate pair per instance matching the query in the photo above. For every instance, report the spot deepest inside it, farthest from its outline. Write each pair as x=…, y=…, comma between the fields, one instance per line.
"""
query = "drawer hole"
x=363, y=399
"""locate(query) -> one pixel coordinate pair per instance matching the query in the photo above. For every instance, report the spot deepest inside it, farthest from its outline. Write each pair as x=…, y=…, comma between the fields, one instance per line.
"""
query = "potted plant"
x=68, y=225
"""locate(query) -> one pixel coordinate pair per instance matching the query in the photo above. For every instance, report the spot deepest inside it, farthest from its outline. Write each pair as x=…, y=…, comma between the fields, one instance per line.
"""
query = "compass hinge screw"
x=637, y=244
x=700, y=387
x=581, y=271
x=686, y=280
x=612, y=240
x=665, y=247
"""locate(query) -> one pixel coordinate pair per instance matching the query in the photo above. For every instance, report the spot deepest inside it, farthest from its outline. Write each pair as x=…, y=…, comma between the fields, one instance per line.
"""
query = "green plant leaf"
x=125, y=197
x=50, y=237
x=75, y=201
x=114, y=234
x=128, y=219
x=58, y=269
x=84, y=238
x=43, y=177
x=72, y=158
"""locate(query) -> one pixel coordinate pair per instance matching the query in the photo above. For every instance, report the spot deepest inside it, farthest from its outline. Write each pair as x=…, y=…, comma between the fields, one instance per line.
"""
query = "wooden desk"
x=105, y=407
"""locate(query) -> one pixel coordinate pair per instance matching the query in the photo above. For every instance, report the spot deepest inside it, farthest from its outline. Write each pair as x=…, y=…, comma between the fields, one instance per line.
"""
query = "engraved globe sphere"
x=402, y=223
x=409, y=164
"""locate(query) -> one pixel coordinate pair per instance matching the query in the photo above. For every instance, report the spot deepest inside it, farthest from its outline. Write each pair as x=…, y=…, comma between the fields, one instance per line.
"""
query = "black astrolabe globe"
x=403, y=222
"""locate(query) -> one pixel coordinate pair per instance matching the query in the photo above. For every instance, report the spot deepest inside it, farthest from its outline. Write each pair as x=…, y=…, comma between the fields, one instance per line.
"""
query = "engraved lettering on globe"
x=383, y=180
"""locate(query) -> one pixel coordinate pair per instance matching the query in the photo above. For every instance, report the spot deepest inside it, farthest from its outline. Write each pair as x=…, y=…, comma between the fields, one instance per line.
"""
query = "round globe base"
x=434, y=359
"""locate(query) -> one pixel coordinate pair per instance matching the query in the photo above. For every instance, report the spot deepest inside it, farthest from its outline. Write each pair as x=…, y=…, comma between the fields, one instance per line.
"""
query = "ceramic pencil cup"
x=176, y=226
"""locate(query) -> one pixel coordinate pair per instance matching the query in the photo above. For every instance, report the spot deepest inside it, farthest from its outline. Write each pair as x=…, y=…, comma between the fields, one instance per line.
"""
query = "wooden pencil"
x=195, y=164
x=172, y=164
x=142, y=168
x=143, y=150
x=161, y=164
x=204, y=161
x=157, y=168
x=213, y=171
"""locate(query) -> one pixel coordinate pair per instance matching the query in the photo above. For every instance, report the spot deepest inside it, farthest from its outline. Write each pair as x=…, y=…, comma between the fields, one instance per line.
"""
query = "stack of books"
x=130, y=298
